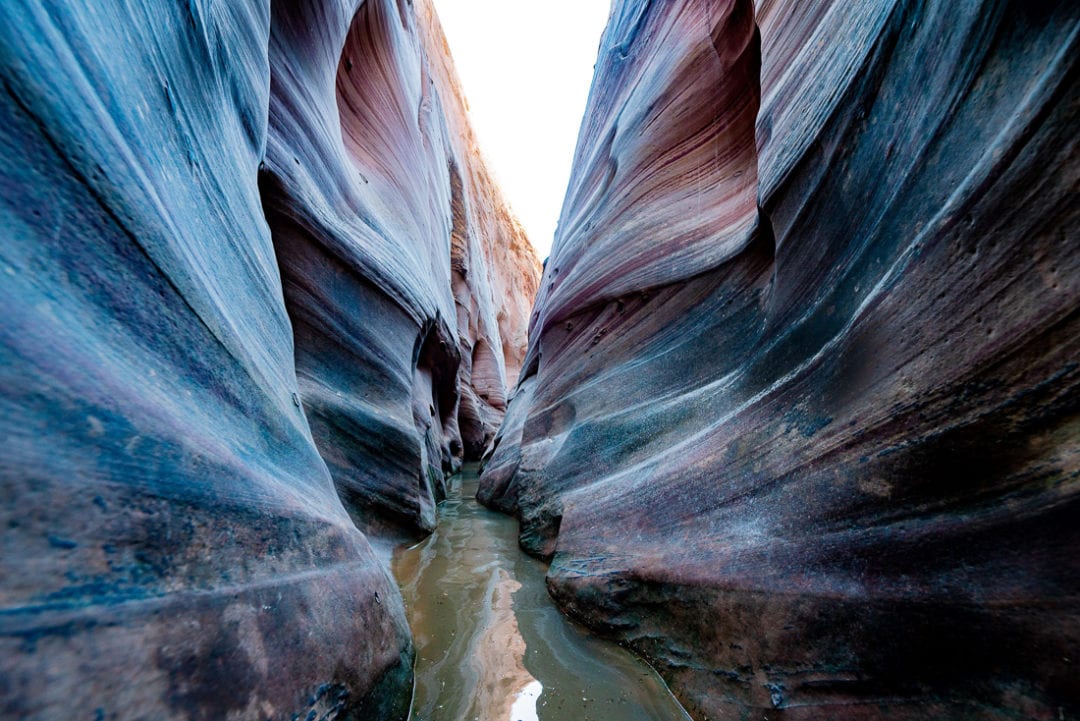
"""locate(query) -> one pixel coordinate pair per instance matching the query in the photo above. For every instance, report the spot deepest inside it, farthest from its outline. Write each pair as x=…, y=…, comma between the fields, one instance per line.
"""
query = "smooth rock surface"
x=800, y=418
x=172, y=545
x=397, y=253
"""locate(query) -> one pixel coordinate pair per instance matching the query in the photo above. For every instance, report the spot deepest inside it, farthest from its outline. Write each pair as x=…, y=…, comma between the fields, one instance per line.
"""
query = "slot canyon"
x=297, y=426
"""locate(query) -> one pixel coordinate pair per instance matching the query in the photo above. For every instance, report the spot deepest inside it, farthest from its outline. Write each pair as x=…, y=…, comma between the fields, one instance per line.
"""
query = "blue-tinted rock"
x=172, y=545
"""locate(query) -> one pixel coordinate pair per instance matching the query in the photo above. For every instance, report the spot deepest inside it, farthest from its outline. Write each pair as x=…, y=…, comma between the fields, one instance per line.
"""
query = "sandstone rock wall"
x=172, y=545
x=800, y=417
x=495, y=270
x=395, y=250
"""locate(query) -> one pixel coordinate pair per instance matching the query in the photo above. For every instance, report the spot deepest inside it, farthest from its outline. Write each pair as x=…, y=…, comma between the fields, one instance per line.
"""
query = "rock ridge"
x=247, y=287
x=800, y=415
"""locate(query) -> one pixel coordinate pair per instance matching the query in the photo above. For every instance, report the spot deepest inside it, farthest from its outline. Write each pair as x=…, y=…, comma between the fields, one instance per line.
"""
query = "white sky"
x=526, y=67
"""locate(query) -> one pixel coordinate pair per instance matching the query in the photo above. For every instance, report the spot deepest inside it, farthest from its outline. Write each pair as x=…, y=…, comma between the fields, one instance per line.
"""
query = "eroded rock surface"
x=397, y=252
x=800, y=416
x=172, y=545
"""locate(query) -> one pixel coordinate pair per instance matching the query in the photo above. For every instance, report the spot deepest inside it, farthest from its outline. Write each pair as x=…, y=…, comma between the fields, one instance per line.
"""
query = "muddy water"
x=490, y=644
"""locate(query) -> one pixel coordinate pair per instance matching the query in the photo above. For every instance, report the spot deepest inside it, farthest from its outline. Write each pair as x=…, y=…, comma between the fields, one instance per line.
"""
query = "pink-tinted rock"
x=495, y=271
x=172, y=545
x=395, y=252
x=800, y=414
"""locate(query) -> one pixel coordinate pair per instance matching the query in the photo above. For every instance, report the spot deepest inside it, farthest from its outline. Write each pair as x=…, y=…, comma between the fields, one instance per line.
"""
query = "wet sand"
x=490, y=644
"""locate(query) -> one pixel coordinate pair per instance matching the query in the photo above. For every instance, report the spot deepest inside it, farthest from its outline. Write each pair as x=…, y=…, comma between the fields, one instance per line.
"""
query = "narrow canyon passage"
x=791, y=408
x=491, y=645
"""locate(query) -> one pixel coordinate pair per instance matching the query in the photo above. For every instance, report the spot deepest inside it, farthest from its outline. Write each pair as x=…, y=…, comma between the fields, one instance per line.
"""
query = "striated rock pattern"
x=172, y=545
x=800, y=417
x=396, y=251
x=495, y=271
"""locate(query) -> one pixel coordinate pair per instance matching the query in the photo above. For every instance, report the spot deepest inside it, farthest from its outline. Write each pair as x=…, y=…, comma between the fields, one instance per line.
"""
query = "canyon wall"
x=246, y=247
x=397, y=253
x=799, y=419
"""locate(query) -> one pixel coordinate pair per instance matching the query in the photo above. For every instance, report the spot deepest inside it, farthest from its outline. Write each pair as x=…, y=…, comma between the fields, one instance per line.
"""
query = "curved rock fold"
x=230, y=299
x=801, y=420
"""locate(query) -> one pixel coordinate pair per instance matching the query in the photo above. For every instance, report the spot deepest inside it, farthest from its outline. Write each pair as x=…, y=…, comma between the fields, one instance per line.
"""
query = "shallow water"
x=490, y=644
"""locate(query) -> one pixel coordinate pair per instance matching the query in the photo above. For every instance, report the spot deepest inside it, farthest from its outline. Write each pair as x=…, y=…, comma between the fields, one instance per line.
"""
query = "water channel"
x=490, y=644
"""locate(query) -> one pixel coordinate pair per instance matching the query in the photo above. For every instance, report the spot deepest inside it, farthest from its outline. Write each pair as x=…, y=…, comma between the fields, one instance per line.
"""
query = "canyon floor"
x=491, y=645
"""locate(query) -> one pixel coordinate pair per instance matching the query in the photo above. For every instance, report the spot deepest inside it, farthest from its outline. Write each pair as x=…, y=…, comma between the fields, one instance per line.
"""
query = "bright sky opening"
x=526, y=67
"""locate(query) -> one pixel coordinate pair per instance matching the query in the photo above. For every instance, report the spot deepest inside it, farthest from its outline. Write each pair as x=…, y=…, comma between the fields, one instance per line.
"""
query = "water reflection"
x=490, y=644
x=524, y=708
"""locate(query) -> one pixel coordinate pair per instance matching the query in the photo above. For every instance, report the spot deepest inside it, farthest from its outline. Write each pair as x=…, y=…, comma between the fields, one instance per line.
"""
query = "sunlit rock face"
x=800, y=417
x=396, y=252
x=172, y=545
